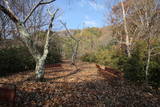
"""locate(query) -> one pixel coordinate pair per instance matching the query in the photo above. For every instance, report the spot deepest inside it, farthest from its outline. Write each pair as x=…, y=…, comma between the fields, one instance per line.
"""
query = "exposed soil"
x=66, y=87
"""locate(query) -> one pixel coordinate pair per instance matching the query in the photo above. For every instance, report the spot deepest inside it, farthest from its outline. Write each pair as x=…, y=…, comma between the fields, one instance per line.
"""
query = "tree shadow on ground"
x=87, y=94
x=32, y=77
x=95, y=93
x=67, y=75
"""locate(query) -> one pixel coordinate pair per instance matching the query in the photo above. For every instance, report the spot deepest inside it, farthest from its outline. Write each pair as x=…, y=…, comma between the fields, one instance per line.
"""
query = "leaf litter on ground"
x=64, y=86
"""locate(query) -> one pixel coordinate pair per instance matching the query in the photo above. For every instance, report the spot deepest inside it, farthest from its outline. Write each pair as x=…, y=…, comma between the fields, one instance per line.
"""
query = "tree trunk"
x=40, y=60
x=75, y=48
x=147, y=66
x=74, y=55
x=39, y=70
x=148, y=60
x=127, y=42
x=26, y=37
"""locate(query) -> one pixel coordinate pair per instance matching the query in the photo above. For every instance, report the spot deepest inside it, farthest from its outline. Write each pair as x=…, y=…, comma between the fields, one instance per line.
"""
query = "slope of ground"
x=64, y=86
x=106, y=36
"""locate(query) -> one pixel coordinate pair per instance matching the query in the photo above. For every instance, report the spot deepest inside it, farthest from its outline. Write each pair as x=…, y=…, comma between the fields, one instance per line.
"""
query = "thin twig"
x=41, y=2
x=68, y=31
x=74, y=55
x=9, y=12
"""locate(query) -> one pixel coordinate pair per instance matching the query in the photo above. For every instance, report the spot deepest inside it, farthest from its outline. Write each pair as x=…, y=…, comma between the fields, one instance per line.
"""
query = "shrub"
x=89, y=57
x=154, y=72
x=107, y=57
x=134, y=67
x=14, y=60
x=53, y=57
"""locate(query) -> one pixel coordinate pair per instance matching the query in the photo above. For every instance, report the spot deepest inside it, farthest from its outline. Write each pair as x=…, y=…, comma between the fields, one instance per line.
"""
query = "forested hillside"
x=80, y=53
x=91, y=39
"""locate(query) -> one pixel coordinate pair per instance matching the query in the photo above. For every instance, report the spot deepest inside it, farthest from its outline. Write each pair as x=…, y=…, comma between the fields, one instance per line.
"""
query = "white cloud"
x=95, y=5
x=92, y=4
x=82, y=3
x=90, y=23
x=86, y=17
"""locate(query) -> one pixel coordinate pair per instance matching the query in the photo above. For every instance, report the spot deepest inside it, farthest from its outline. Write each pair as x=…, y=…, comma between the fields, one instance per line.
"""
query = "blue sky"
x=83, y=13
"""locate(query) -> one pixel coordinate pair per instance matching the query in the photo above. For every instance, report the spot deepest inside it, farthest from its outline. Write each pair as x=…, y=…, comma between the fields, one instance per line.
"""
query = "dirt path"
x=64, y=86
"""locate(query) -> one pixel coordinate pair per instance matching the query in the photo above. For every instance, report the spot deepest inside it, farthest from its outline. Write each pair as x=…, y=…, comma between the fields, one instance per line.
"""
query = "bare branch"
x=7, y=4
x=156, y=54
x=75, y=50
x=41, y=2
x=46, y=2
x=52, y=18
x=68, y=31
x=9, y=13
x=158, y=47
x=45, y=51
x=49, y=12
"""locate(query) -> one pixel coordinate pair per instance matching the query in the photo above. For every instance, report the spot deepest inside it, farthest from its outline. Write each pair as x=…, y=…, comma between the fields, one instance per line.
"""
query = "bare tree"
x=142, y=18
x=21, y=8
x=75, y=48
x=127, y=41
x=148, y=27
x=26, y=37
x=4, y=24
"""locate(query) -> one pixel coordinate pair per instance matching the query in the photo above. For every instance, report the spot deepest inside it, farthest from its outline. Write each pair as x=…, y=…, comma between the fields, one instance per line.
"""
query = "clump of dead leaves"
x=65, y=86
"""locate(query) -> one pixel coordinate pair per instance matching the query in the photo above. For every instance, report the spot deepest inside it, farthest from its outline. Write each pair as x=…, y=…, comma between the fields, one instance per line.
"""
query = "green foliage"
x=93, y=32
x=53, y=57
x=154, y=72
x=14, y=60
x=105, y=57
x=68, y=47
x=102, y=56
x=89, y=32
x=55, y=48
x=88, y=42
x=134, y=67
x=89, y=57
